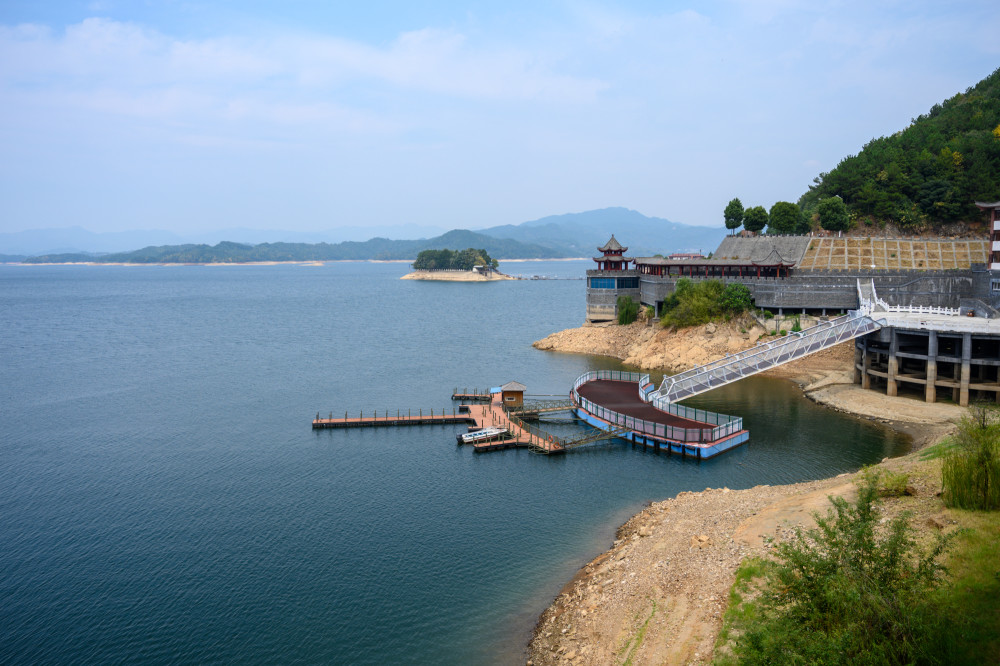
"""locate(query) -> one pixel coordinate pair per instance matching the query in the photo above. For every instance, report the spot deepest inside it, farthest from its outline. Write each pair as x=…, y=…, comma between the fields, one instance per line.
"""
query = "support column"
x=859, y=355
x=866, y=365
x=930, y=393
x=963, y=389
x=890, y=384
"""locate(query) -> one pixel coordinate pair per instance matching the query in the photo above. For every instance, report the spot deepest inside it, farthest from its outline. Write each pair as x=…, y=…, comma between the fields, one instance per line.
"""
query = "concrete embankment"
x=662, y=587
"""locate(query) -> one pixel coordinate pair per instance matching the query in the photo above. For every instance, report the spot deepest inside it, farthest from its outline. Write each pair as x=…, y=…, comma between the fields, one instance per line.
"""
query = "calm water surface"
x=164, y=499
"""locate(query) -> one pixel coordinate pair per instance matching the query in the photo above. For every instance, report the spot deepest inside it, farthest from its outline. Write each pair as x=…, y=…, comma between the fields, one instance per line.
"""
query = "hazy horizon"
x=313, y=116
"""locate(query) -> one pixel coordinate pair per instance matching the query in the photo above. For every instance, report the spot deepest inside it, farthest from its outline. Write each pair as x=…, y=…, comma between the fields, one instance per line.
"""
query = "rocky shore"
x=657, y=596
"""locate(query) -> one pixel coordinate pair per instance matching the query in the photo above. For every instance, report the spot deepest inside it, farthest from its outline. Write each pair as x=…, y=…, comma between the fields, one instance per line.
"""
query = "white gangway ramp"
x=763, y=357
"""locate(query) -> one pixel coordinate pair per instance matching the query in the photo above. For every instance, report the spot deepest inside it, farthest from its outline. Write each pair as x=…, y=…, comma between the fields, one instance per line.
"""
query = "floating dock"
x=475, y=395
x=607, y=399
x=479, y=416
x=617, y=404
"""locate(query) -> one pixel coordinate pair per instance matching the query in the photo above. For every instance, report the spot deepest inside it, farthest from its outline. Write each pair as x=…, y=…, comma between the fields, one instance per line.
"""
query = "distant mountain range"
x=559, y=236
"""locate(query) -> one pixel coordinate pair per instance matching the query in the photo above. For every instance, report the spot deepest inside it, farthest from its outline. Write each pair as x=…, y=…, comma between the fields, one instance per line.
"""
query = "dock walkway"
x=487, y=415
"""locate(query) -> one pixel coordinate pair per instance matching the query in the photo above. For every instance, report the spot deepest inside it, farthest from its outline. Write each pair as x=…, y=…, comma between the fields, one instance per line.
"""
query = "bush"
x=796, y=326
x=628, y=310
x=970, y=471
x=694, y=303
x=849, y=591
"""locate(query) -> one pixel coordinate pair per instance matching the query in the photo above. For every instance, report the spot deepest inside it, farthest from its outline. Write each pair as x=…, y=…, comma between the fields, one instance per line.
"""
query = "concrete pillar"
x=963, y=389
x=930, y=394
x=955, y=376
x=890, y=387
x=859, y=355
x=866, y=365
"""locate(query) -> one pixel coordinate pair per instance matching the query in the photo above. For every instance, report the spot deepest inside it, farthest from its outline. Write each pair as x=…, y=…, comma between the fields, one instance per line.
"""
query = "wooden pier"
x=475, y=395
x=487, y=415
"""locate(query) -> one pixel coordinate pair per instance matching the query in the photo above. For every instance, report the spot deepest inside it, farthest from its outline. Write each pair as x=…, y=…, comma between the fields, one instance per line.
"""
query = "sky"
x=191, y=115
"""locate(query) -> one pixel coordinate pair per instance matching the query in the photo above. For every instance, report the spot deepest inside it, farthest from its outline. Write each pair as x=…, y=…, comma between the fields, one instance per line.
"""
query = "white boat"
x=481, y=435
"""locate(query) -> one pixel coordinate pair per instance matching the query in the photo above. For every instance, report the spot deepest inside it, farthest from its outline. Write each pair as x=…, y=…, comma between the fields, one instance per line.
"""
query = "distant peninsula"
x=381, y=249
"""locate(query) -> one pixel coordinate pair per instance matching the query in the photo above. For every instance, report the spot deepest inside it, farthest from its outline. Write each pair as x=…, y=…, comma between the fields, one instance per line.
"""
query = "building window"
x=628, y=283
x=602, y=283
x=994, y=285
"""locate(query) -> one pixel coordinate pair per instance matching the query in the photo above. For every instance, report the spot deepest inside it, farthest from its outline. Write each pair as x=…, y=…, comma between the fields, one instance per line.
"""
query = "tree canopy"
x=464, y=260
x=928, y=174
x=784, y=218
x=733, y=214
x=755, y=219
x=833, y=214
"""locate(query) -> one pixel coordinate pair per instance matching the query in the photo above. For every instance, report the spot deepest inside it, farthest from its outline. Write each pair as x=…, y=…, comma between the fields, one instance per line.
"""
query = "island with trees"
x=468, y=265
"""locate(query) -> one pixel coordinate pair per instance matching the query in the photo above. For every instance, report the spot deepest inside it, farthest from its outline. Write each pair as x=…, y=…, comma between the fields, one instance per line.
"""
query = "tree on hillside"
x=833, y=214
x=929, y=173
x=755, y=219
x=804, y=224
x=733, y=215
x=783, y=218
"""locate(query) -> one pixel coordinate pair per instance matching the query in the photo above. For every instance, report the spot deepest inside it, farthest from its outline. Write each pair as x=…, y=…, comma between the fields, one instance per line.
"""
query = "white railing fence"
x=725, y=425
x=763, y=357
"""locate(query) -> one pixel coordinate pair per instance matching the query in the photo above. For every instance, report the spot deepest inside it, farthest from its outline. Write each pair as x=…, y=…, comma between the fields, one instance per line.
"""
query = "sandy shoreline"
x=671, y=565
x=456, y=276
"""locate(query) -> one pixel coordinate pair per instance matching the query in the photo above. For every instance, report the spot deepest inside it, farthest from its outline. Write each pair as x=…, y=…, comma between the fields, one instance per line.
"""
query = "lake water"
x=165, y=500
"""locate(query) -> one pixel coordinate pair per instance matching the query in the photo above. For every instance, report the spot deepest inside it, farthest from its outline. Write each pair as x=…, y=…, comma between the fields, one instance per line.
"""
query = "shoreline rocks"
x=662, y=587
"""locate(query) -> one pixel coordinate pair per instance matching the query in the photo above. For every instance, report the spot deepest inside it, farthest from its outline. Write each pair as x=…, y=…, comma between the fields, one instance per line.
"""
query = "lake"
x=165, y=500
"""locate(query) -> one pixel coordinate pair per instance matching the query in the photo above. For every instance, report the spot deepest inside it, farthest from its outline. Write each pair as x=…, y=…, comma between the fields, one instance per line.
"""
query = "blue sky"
x=190, y=115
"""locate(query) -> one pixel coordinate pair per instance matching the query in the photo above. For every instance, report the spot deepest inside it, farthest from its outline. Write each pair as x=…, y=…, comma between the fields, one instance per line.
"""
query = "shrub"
x=970, y=471
x=796, y=326
x=628, y=310
x=854, y=589
x=694, y=303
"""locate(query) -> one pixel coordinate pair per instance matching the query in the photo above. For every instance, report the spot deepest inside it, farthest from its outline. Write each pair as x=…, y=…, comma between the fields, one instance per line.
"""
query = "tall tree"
x=804, y=224
x=833, y=214
x=783, y=218
x=734, y=215
x=755, y=219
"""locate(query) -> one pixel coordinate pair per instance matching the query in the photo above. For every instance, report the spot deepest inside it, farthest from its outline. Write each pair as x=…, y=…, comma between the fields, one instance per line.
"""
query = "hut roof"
x=612, y=246
x=513, y=386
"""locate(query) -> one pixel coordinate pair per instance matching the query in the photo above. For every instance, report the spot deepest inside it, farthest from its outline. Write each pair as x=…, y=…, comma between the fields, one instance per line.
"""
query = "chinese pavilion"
x=612, y=259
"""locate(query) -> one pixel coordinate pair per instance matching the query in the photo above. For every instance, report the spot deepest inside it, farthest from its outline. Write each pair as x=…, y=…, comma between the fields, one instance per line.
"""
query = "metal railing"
x=611, y=375
x=642, y=426
x=763, y=357
x=725, y=425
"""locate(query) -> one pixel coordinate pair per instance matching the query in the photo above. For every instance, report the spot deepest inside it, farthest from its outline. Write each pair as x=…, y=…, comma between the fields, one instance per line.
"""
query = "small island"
x=469, y=265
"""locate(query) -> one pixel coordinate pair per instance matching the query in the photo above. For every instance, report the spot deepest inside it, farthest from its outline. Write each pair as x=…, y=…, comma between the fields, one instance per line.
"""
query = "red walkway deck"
x=623, y=397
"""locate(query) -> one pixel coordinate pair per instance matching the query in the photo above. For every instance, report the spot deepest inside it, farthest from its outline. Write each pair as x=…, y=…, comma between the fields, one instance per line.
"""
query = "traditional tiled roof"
x=612, y=246
x=513, y=386
x=985, y=205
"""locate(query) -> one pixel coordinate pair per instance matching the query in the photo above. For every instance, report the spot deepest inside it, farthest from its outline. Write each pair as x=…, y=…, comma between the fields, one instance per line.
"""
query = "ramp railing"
x=763, y=357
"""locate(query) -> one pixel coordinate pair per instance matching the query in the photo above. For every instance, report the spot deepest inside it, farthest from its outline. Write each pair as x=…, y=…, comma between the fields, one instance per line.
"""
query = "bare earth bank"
x=456, y=276
x=671, y=565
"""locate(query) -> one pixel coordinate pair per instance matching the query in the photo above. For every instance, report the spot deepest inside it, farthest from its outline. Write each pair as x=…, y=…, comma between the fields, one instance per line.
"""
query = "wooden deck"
x=487, y=415
x=623, y=397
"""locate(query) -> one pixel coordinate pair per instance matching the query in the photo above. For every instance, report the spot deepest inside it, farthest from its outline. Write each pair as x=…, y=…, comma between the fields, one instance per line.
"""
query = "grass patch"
x=634, y=643
x=971, y=599
x=855, y=589
x=970, y=471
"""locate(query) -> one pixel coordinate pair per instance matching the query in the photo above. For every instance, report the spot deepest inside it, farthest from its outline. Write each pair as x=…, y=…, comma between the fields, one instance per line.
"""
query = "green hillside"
x=930, y=173
x=376, y=248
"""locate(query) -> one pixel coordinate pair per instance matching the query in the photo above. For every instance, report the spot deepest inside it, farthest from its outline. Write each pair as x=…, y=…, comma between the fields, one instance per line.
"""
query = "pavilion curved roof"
x=612, y=246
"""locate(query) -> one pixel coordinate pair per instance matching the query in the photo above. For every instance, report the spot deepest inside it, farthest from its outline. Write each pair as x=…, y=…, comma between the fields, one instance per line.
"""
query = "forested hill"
x=930, y=173
x=376, y=248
